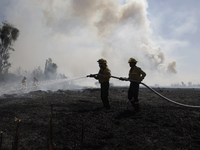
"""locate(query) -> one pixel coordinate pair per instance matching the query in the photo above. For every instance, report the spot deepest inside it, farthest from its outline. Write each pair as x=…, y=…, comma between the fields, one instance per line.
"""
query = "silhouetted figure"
x=35, y=81
x=24, y=82
x=103, y=76
x=136, y=74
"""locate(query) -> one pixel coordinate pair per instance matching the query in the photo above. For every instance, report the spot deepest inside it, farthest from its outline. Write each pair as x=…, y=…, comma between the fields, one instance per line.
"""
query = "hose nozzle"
x=91, y=75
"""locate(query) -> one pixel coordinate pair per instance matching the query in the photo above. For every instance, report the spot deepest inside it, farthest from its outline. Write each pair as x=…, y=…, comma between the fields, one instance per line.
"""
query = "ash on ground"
x=80, y=121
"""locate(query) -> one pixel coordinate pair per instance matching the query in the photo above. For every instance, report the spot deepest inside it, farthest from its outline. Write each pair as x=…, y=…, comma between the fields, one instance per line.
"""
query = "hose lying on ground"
x=169, y=100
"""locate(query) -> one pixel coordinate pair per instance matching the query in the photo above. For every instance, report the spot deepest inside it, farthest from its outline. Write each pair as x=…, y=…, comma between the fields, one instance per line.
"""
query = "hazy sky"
x=175, y=26
x=161, y=35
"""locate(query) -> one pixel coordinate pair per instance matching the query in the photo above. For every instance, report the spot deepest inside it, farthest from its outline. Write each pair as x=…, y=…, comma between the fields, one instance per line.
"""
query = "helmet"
x=132, y=60
x=101, y=61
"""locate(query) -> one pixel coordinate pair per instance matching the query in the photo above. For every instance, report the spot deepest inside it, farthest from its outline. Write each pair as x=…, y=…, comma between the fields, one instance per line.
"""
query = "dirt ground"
x=80, y=121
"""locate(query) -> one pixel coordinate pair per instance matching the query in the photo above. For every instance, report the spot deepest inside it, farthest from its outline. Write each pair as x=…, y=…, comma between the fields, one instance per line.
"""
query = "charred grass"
x=80, y=121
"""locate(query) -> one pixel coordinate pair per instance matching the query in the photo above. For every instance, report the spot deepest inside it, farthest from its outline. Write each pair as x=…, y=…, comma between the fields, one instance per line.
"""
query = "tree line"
x=8, y=35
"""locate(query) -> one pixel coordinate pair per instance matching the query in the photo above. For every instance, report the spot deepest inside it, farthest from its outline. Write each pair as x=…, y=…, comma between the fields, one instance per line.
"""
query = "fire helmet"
x=102, y=61
x=132, y=60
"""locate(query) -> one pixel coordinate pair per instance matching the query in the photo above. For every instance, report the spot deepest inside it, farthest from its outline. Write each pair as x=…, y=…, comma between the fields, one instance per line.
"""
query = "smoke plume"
x=76, y=33
x=171, y=68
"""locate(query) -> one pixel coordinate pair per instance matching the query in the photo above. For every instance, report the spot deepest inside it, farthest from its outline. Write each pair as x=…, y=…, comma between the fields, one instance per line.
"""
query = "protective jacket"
x=23, y=81
x=136, y=73
x=104, y=75
x=35, y=80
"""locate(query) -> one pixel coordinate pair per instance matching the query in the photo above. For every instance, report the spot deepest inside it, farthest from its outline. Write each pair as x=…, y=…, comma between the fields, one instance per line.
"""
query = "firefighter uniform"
x=103, y=76
x=136, y=74
x=24, y=81
x=35, y=81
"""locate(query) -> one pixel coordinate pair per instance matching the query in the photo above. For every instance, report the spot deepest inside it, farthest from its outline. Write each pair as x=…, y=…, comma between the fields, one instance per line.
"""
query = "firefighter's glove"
x=140, y=80
x=99, y=75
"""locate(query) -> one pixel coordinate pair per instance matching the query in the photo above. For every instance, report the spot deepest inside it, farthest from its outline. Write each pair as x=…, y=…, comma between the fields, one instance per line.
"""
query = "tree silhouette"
x=50, y=70
x=8, y=35
x=37, y=72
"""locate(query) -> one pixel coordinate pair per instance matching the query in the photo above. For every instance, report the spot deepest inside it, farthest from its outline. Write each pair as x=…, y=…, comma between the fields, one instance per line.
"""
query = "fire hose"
x=165, y=98
x=124, y=79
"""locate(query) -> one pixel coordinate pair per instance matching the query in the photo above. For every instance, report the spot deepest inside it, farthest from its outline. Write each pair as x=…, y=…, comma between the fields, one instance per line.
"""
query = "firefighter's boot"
x=136, y=107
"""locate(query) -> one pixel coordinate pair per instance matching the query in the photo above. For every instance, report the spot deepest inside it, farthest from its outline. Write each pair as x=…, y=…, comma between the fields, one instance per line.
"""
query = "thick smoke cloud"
x=76, y=33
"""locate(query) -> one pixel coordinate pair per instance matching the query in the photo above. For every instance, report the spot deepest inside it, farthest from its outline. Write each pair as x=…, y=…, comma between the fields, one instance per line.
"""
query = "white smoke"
x=171, y=68
x=76, y=33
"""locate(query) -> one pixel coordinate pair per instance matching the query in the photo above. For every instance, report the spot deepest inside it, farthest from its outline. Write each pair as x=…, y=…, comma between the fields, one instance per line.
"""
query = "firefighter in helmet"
x=35, y=81
x=136, y=74
x=24, y=81
x=103, y=76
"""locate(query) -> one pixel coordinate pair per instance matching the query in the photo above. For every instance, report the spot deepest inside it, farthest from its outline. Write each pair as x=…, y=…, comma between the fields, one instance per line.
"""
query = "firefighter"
x=103, y=76
x=35, y=81
x=24, y=81
x=138, y=75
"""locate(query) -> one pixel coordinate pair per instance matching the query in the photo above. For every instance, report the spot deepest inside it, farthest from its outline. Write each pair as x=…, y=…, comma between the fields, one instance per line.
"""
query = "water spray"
x=77, y=78
x=169, y=100
x=56, y=81
x=29, y=87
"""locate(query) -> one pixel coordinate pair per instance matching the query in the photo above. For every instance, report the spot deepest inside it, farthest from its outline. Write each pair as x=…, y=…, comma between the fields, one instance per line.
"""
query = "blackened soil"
x=80, y=121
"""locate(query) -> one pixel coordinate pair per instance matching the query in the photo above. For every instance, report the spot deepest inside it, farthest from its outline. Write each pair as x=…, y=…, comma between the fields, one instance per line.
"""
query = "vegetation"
x=50, y=69
x=8, y=35
x=49, y=72
x=37, y=73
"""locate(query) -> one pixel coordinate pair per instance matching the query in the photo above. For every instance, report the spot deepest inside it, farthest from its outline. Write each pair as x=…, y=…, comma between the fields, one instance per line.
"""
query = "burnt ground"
x=80, y=121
